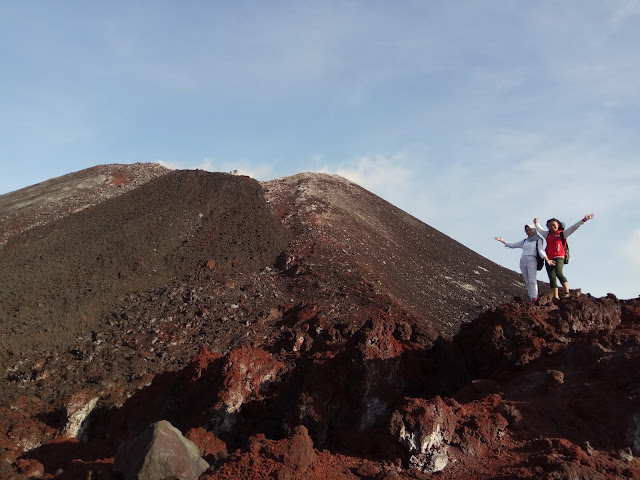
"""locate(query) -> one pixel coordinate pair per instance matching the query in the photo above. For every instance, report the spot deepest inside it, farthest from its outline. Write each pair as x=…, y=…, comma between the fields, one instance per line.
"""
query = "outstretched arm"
x=510, y=245
x=578, y=224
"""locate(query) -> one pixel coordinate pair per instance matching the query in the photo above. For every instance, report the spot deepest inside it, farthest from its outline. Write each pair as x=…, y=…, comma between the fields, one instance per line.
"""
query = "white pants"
x=529, y=269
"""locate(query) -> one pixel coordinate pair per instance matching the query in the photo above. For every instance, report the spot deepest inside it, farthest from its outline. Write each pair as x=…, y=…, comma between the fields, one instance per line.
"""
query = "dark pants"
x=555, y=271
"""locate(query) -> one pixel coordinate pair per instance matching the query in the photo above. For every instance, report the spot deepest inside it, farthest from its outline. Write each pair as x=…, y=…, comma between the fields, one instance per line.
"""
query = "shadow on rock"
x=553, y=388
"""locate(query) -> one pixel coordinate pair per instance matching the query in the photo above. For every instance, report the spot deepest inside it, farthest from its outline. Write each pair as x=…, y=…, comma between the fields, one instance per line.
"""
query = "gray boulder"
x=159, y=452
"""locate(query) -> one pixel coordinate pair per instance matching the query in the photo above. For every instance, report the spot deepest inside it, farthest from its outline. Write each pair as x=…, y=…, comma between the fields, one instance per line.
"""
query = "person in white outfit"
x=529, y=259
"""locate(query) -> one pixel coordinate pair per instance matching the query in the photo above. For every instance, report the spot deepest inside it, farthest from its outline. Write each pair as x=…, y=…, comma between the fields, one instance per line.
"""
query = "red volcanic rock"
x=368, y=470
x=630, y=314
x=296, y=454
x=244, y=374
x=481, y=427
x=287, y=459
x=539, y=421
x=21, y=432
x=30, y=468
x=379, y=364
x=376, y=340
x=425, y=429
x=212, y=449
x=246, y=370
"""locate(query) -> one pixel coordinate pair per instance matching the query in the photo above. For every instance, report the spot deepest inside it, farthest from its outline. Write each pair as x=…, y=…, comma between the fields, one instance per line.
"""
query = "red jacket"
x=555, y=247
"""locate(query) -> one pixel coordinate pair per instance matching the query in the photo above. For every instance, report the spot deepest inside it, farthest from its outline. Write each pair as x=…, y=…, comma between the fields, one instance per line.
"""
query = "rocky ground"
x=60, y=197
x=299, y=328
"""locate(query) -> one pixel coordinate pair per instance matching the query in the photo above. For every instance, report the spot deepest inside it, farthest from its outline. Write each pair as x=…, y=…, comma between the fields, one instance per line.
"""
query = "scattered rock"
x=368, y=469
x=78, y=407
x=246, y=370
x=512, y=414
x=425, y=429
x=212, y=449
x=159, y=452
x=30, y=468
x=297, y=454
x=625, y=454
x=588, y=448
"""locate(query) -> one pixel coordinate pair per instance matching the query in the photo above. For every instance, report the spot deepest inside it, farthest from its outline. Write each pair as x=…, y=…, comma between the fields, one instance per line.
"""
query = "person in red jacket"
x=555, y=250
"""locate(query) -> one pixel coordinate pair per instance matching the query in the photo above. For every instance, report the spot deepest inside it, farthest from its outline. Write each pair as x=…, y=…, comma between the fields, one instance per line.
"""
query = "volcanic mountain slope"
x=58, y=279
x=56, y=198
x=346, y=230
x=302, y=328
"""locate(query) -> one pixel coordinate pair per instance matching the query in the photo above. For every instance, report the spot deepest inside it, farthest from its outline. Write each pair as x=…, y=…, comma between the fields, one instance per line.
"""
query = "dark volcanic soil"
x=299, y=328
x=59, y=197
x=56, y=281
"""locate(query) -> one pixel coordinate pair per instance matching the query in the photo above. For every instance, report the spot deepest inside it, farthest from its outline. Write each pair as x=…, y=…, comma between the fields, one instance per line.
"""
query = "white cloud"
x=259, y=172
x=378, y=172
x=397, y=178
x=628, y=9
x=169, y=165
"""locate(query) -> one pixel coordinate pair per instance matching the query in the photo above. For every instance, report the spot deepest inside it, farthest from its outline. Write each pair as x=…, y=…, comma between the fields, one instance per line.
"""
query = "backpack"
x=538, y=257
x=565, y=244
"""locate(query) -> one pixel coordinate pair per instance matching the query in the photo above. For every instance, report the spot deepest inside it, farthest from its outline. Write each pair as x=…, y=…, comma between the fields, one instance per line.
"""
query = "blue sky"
x=472, y=116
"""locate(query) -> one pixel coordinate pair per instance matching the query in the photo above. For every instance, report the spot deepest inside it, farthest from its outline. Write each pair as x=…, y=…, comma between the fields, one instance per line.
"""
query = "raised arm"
x=578, y=224
x=541, y=231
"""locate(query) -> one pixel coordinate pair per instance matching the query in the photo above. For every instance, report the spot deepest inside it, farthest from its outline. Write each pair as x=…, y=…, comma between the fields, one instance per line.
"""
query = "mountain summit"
x=296, y=328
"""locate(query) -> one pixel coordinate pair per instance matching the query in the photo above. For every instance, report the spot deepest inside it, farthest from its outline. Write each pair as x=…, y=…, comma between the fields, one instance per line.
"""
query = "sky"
x=475, y=117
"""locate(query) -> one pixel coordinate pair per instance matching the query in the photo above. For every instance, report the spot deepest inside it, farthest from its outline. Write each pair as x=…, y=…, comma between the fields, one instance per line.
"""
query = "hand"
x=500, y=239
x=551, y=262
x=589, y=216
x=535, y=220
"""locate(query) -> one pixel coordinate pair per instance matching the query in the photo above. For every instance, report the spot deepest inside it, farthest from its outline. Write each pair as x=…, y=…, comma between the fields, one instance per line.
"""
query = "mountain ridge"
x=58, y=197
